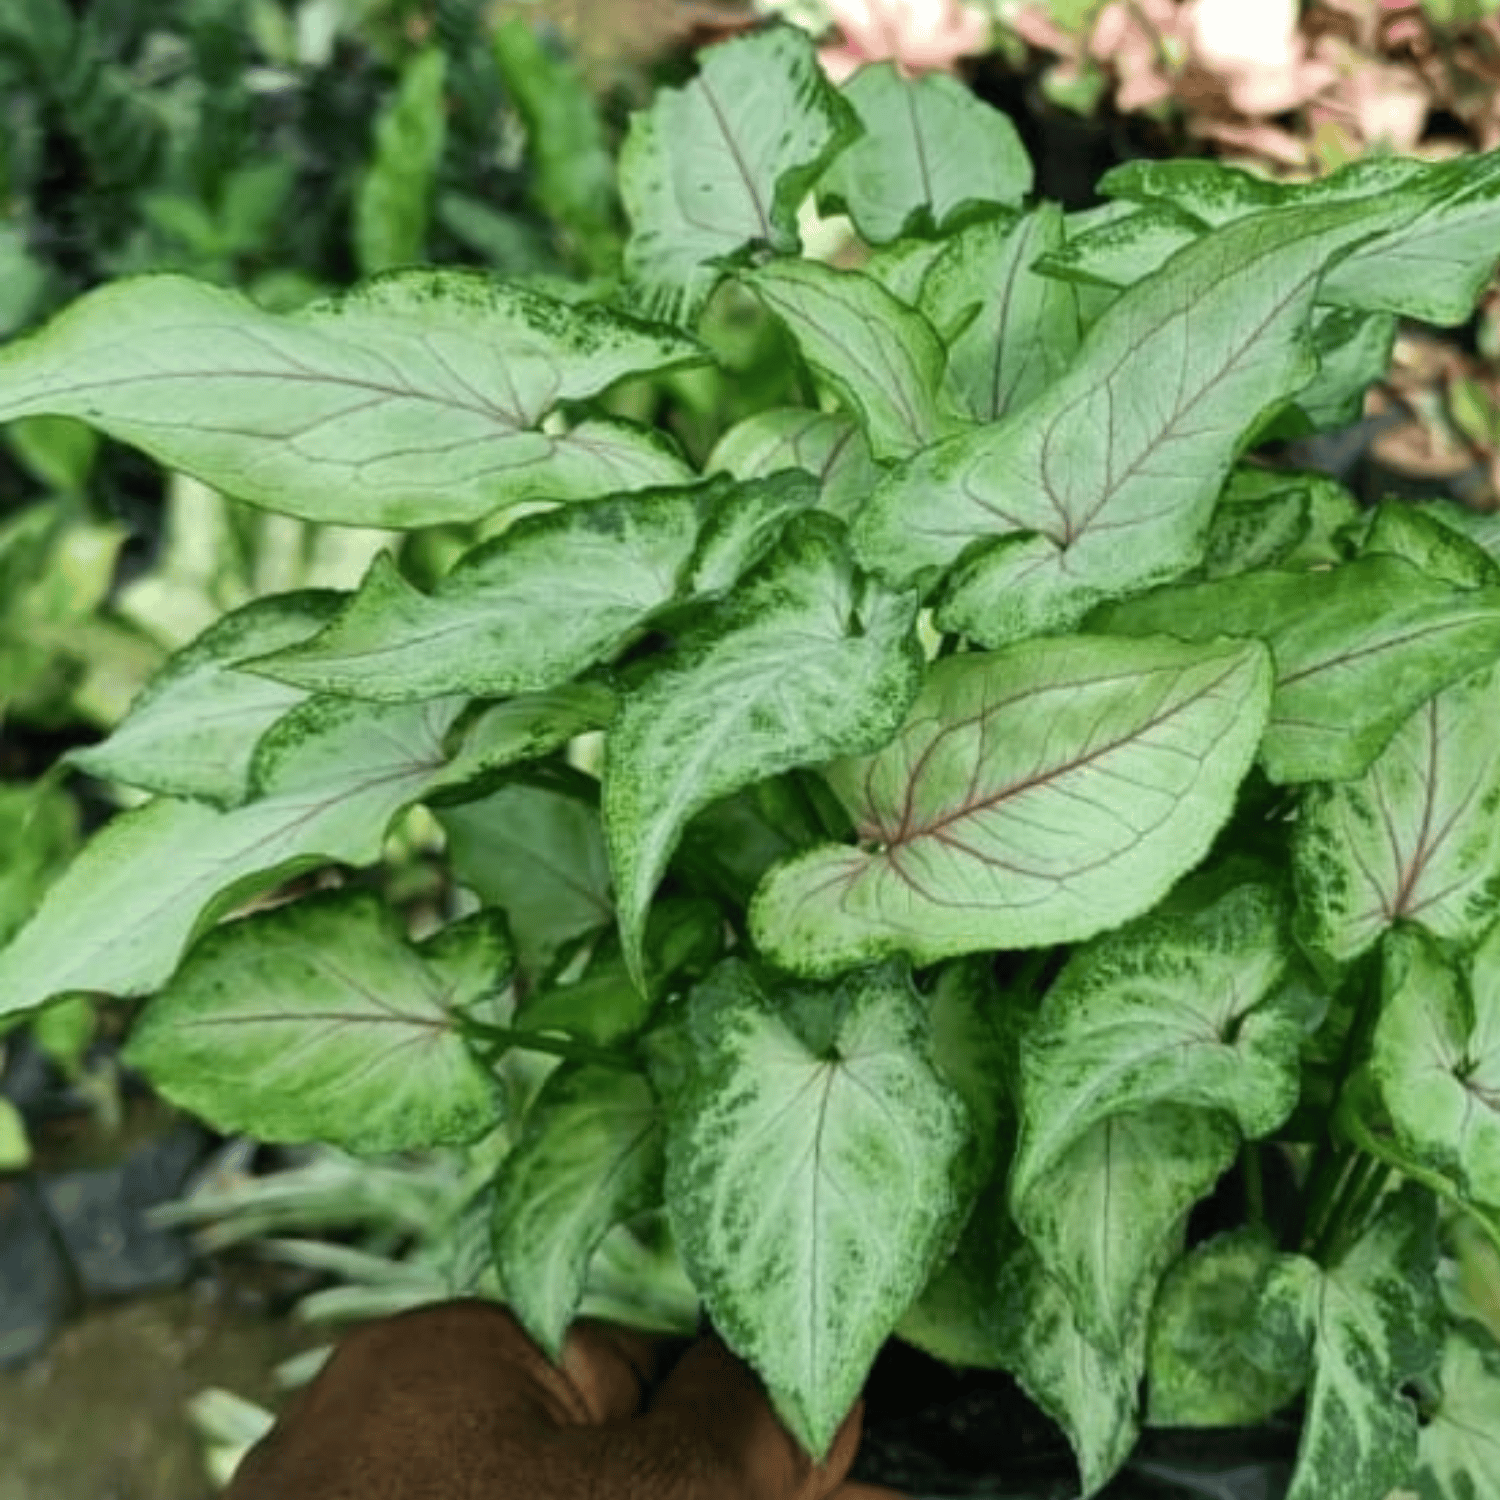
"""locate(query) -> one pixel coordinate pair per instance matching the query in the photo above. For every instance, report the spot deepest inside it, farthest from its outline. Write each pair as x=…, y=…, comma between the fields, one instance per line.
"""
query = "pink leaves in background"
x=920, y=36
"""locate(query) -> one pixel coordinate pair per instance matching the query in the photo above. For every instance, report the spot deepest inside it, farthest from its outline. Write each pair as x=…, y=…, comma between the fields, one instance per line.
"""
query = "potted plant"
x=925, y=847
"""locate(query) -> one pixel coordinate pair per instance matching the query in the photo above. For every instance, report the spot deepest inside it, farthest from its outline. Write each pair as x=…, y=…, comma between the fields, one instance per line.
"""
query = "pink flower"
x=918, y=35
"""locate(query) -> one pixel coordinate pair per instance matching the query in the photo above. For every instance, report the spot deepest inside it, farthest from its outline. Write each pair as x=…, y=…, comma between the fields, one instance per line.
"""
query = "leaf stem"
x=493, y=1041
x=1335, y=1230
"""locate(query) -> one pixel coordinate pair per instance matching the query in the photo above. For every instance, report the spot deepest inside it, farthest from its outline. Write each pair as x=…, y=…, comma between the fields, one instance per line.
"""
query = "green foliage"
x=917, y=837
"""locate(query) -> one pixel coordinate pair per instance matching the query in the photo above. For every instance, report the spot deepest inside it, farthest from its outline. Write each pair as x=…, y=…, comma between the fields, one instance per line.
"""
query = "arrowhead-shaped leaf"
x=881, y=357
x=932, y=154
x=995, y=819
x=1356, y=647
x=1458, y=1452
x=809, y=660
x=1371, y=1323
x=318, y=1021
x=721, y=165
x=415, y=399
x=1105, y=483
x=810, y=1178
x=1415, y=838
x=590, y=1157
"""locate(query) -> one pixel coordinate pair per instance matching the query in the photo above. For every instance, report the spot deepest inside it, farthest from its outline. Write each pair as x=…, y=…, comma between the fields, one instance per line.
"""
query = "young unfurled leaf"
x=721, y=165
x=811, y=1162
x=931, y=155
x=1458, y=1451
x=589, y=1158
x=880, y=356
x=1104, y=484
x=1416, y=838
x=192, y=732
x=414, y=399
x=995, y=818
x=318, y=1021
x=1356, y=648
x=810, y=659
x=1436, y=1059
x=1370, y=1323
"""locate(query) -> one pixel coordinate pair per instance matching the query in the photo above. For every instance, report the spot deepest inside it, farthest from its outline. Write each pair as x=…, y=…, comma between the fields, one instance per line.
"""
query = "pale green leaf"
x=1354, y=351
x=1124, y=248
x=1416, y=838
x=810, y=1171
x=721, y=165
x=1458, y=1451
x=193, y=730
x=589, y=1158
x=882, y=358
x=932, y=154
x=828, y=445
x=414, y=399
x=1356, y=648
x=810, y=659
x=318, y=1021
x=902, y=266
x=1035, y=795
x=1105, y=482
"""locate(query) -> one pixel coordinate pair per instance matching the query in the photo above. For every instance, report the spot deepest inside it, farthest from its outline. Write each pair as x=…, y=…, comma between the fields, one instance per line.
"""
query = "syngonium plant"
x=1021, y=814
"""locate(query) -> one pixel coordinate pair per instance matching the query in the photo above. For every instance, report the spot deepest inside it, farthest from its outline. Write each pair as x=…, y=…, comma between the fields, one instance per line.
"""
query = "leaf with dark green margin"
x=996, y=818
x=742, y=526
x=1416, y=838
x=590, y=1158
x=1421, y=535
x=882, y=358
x=1354, y=351
x=810, y=659
x=1436, y=1059
x=318, y=1021
x=1458, y=1451
x=1270, y=517
x=811, y=1162
x=193, y=730
x=1371, y=1322
x=1125, y=248
x=932, y=156
x=1199, y=1370
x=38, y=831
x=1010, y=331
x=1356, y=648
x=720, y=166
x=1480, y=527
x=902, y=266
x=539, y=855
x=413, y=400
x=393, y=202
x=826, y=444
x=1105, y=483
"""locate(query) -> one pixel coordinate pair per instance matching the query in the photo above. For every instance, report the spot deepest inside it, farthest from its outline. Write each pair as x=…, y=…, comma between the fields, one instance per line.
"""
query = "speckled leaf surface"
x=193, y=730
x=995, y=817
x=1105, y=483
x=1370, y=1323
x=1356, y=648
x=810, y=1167
x=809, y=660
x=1458, y=1452
x=932, y=153
x=590, y=1157
x=415, y=399
x=721, y=165
x=1436, y=1059
x=1416, y=838
x=319, y=1021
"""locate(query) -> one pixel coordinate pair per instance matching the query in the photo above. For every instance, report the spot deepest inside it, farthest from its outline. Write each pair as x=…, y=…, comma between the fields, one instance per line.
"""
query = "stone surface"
x=35, y=1288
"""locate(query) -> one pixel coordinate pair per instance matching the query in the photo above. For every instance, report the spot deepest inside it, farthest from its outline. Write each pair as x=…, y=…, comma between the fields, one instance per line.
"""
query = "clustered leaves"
x=934, y=844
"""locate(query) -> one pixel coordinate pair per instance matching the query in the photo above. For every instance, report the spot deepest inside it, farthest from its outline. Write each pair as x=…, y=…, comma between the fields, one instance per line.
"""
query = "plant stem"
x=500, y=1039
x=1330, y=1167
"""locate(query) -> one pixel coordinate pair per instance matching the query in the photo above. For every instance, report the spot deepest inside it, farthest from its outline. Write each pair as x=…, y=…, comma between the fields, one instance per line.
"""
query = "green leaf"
x=318, y=1021
x=995, y=817
x=881, y=357
x=1276, y=517
x=1371, y=1323
x=58, y=451
x=590, y=1158
x=810, y=1171
x=1458, y=1451
x=539, y=855
x=1010, y=331
x=1356, y=648
x=1420, y=535
x=827, y=445
x=1416, y=838
x=15, y=1145
x=413, y=400
x=810, y=659
x=1354, y=351
x=1199, y=1366
x=192, y=732
x=902, y=266
x=394, y=200
x=1125, y=248
x=1436, y=1060
x=719, y=167
x=38, y=831
x=931, y=157
x=1104, y=484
